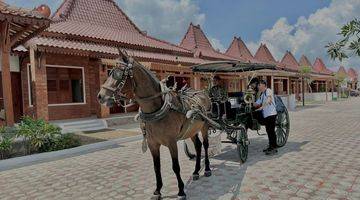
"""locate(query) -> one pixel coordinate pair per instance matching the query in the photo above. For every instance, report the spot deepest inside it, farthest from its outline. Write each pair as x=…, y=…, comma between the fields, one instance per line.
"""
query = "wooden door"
x=17, y=95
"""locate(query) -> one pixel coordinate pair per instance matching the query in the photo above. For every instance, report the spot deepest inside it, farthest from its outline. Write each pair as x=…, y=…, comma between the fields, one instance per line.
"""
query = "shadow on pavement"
x=228, y=174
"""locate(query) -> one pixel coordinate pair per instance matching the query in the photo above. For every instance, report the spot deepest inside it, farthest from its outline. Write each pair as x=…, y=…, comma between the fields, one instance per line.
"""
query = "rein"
x=119, y=97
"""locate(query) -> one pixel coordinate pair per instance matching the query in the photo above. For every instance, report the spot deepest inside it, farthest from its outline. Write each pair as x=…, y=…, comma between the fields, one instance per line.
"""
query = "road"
x=320, y=161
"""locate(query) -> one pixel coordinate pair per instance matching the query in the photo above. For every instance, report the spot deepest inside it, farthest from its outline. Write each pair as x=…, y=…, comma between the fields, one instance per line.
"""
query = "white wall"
x=14, y=63
x=319, y=96
x=289, y=101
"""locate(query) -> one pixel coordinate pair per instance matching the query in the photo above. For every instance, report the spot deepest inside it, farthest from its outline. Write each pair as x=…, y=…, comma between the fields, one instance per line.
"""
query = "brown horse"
x=163, y=120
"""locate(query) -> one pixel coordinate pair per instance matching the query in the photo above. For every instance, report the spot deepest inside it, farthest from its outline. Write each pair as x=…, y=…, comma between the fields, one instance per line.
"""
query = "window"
x=65, y=85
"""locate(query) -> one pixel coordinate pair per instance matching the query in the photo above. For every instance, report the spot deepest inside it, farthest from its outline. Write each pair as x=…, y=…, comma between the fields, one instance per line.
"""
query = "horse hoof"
x=207, y=173
x=181, y=198
x=195, y=177
x=156, y=197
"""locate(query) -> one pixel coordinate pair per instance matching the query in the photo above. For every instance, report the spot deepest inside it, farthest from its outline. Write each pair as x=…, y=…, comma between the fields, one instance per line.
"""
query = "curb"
x=23, y=161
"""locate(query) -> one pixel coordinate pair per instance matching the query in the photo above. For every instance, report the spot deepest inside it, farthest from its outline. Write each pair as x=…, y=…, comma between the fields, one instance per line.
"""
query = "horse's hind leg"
x=197, y=144
x=155, y=152
x=176, y=168
x=205, y=135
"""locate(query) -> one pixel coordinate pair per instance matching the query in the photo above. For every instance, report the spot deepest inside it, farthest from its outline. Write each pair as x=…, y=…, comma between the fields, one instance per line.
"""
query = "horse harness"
x=166, y=93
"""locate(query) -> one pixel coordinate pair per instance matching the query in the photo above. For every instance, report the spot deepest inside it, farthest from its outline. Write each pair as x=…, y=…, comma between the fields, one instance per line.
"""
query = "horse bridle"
x=126, y=73
x=121, y=76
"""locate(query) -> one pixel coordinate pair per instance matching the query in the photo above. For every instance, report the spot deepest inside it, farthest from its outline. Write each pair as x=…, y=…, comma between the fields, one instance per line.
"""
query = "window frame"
x=61, y=104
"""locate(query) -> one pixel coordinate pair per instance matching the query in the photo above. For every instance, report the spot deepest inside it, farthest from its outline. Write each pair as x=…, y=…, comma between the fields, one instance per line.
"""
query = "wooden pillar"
x=317, y=86
x=197, y=82
x=103, y=111
x=288, y=86
x=326, y=90
x=5, y=73
x=39, y=84
x=332, y=89
x=272, y=83
x=297, y=89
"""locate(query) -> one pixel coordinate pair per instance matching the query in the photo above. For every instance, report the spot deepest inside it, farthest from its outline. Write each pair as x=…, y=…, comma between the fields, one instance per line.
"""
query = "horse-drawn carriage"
x=238, y=110
x=167, y=116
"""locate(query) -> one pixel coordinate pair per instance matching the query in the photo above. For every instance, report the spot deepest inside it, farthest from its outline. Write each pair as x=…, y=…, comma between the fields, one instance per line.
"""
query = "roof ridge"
x=290, y=56
x=65, y=7
x=127, y=17
x=202, y=32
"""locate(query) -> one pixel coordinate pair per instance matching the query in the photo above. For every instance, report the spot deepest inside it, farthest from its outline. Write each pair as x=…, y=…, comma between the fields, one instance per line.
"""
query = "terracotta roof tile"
x=106, y=49
x=8, y=10
x=110, y=34
x=320, y=67
x=264, y=55
x=195, y=38
x=290, y=62
x=239, y=50
x=103, y=20
x=304, y=61
x=196, y=41
x=353, y=74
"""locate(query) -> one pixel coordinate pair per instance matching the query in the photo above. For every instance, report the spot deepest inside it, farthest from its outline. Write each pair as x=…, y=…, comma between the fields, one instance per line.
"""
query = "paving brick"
x=320, y=161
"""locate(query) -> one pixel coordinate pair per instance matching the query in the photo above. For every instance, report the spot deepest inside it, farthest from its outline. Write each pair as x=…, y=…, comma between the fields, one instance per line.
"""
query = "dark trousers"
x=269, y=123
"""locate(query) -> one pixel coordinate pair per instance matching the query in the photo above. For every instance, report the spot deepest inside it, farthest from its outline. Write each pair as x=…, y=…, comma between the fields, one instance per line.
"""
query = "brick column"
x=103, y=111
x=39, y=84
x=5, y=73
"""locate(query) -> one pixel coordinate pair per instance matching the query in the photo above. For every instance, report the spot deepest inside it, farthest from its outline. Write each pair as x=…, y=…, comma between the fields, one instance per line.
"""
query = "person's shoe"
x=271, y=151
x=266, y=149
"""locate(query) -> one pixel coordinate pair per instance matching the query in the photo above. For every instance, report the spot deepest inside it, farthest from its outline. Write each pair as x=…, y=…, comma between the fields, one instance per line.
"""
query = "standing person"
x=267, y=116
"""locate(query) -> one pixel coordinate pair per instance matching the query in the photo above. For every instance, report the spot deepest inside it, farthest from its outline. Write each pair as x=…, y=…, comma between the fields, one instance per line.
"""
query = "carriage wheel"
x=242, y=145
x=282, y=128
x=189, y=152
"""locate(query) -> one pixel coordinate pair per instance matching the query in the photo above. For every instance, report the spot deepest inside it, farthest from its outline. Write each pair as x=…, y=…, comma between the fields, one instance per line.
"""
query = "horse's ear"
x=123, y=55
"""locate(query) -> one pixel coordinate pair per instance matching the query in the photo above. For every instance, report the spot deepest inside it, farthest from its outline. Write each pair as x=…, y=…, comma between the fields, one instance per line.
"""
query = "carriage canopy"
x=231, y=66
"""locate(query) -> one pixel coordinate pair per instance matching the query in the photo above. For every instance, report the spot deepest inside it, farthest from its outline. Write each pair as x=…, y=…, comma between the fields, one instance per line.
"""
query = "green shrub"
x=36, y=133
x=64, y=141
x=7, y=137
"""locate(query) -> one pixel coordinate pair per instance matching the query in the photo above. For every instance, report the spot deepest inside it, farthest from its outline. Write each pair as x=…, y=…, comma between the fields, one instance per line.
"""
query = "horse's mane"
x=153, y=78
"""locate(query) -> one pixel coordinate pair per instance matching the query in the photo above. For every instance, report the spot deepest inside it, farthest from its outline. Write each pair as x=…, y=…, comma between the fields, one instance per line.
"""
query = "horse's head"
x=119, y=85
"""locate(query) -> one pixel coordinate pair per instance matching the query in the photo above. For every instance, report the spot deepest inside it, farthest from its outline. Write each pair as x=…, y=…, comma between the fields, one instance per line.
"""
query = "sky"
x=300, y=26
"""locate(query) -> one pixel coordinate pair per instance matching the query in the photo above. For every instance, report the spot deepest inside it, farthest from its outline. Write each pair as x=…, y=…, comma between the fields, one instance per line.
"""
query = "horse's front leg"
x=176, y=168
x=155, y=152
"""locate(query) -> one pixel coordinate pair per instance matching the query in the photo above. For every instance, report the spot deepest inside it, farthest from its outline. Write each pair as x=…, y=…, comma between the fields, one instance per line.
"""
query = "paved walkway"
x=320, y=161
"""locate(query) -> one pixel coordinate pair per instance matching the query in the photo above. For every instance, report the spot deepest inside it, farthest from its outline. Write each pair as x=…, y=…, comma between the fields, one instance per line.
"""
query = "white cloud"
x=309, y=35
x=217, y=45
x=165, y=19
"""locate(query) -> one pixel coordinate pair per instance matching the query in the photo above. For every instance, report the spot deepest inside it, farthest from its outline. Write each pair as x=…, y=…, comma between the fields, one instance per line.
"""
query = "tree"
x=305, y=72
x=349, y=44
x=340, y=80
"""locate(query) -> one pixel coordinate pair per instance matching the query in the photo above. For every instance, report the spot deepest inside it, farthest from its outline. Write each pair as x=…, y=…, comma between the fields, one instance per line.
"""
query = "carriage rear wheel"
x=282, y=128
x=242, y=145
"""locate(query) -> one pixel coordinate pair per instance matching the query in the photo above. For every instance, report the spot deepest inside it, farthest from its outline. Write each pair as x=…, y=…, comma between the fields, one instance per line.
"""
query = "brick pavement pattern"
x=320, y=161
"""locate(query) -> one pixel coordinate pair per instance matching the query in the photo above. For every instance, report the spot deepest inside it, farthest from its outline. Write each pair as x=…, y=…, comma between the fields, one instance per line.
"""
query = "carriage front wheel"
x=282, y=128
x=242, y=144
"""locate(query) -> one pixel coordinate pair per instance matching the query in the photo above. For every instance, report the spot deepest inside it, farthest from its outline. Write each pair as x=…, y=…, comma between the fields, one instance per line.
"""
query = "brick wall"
x=66, y=111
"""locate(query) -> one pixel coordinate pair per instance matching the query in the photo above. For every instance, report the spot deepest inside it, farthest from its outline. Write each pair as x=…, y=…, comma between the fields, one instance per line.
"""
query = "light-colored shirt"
x=268, y=109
